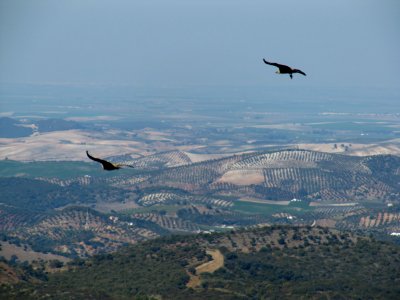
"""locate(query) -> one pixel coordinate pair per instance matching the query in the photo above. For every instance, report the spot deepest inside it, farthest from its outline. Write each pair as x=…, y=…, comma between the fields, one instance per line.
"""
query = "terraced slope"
x=283, y=175
x=150, y=199
x=277, y=175
x=168, y=222
x=161, y=160
x=76, y=231
x=176, y=195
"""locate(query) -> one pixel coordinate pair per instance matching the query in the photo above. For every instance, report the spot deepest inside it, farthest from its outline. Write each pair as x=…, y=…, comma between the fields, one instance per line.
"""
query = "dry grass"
x=107, y=207
x=7, y=274
x=8, y=250
x=203, y=157
x=325, y=223
x=71, y=145
x=64, y=145
x=389, y=147
x=243, y=177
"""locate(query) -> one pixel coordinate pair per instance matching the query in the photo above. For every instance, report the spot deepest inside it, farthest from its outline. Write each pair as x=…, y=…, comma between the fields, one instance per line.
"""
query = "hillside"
x=278, y=175
x=74, y=231
x=11, y=128
x=48, y=125
x=265, y=263
x=288, y=174
x=78, y=210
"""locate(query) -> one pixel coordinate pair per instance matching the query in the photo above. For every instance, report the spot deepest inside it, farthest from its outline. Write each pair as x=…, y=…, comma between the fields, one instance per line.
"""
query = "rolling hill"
x=169, y=193
x=288, y=174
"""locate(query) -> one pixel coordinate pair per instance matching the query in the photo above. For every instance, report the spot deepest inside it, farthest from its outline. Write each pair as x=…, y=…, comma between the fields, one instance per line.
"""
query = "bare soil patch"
x=243, y=177
x=209, y=267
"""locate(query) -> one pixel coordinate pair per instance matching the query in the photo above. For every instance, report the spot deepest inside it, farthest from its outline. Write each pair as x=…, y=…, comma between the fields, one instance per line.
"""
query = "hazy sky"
x=206, y=42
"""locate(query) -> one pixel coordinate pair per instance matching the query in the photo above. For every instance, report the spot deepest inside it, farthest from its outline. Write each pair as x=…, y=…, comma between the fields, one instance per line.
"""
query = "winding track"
x=209, y=267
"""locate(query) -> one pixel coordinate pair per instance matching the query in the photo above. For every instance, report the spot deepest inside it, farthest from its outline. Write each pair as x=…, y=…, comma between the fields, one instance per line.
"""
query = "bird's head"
x=277, y=72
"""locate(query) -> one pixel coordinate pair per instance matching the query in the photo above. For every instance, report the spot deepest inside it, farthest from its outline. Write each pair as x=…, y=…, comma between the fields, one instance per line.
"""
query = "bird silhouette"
x=283, y=69
x=108, y=166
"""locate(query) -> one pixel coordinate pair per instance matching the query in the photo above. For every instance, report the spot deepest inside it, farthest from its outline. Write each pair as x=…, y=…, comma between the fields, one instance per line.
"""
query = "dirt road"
x=209, y=267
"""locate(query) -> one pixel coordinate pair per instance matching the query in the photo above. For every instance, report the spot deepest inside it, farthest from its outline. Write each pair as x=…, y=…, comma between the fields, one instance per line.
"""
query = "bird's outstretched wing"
x=275, y=64
x=124, y=165
x=106, y=164
x=94, y=158
x=299, y=71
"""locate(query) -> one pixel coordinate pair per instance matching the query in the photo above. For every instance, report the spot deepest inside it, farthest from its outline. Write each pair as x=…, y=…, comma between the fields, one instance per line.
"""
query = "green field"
x=53, y=169
x=268, y=209
x=355, y=126
x=152, y=209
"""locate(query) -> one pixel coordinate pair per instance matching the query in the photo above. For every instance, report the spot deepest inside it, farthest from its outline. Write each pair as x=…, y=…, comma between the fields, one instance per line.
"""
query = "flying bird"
x=106, y=164
x=283, y=69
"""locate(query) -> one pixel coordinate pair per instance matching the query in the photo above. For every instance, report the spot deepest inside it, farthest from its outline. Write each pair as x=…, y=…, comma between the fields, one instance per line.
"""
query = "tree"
x=56, y=264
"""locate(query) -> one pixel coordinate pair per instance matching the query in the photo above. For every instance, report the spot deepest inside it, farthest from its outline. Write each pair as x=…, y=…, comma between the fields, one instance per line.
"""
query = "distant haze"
x=184, y=43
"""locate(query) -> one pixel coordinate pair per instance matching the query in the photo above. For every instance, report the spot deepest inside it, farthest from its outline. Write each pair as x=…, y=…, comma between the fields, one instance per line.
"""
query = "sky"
x=160, y=43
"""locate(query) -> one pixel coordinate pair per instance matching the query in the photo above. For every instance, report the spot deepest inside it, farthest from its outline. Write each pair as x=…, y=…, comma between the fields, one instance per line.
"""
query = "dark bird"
x=283, y=69
x=106, y=164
